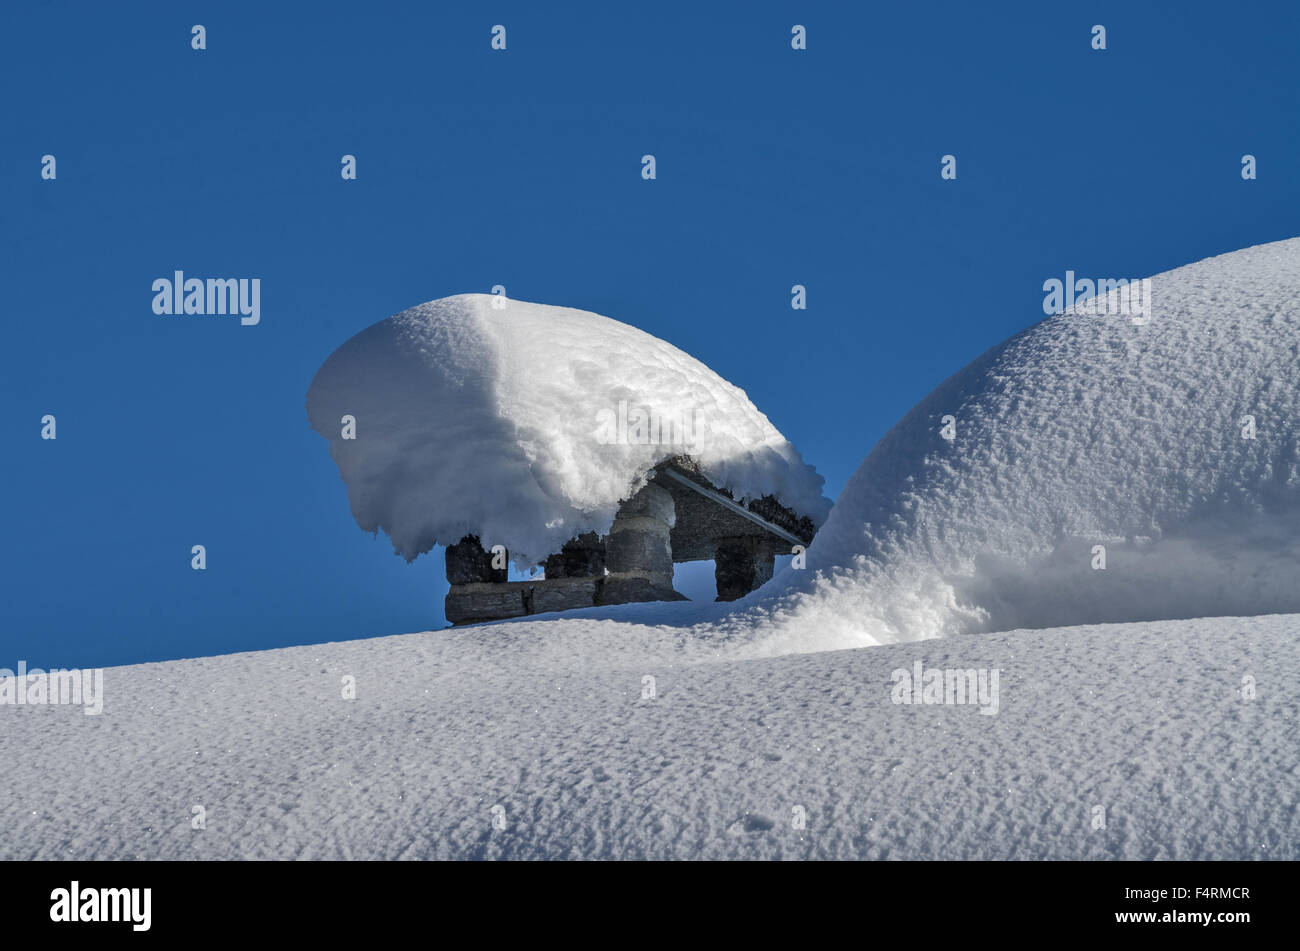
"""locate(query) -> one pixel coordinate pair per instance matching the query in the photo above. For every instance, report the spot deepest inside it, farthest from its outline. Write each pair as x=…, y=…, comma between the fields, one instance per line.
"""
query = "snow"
x=1149, y=722
x=1083, y=430
x=500, y=418
x=681, y=730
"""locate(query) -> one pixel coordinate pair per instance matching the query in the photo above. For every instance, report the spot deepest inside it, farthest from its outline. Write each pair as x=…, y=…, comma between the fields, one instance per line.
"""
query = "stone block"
x=469, y=604
x=468, y=563
x=740, y=566
x=564, y=594
x=581, y=557
x=626, y=590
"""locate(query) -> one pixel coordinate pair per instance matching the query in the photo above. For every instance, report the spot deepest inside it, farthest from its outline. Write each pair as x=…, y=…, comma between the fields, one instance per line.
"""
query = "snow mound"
x=527, y=424
x=1082, y=431
x=545, y=722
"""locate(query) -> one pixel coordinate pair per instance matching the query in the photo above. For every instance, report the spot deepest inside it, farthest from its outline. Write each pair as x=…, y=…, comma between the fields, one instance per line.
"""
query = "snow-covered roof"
x=527, y=424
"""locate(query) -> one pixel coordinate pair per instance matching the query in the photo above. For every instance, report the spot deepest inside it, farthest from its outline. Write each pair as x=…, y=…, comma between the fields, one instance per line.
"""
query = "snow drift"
x=546, y=721
x=1101, y=469
x=1171, y=444
x=509, y=423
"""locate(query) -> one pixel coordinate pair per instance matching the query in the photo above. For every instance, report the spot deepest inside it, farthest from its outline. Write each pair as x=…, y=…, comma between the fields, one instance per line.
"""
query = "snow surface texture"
x=1081, y=431
x=1148, y=722
x=497, y=422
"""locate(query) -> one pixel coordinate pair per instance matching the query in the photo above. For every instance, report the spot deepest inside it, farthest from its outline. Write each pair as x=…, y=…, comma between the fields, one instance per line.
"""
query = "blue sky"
x=522, y=168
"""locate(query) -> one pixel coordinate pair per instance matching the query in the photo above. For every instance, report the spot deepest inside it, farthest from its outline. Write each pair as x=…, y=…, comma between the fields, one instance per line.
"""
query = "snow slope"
x=547, y=720
x=1083, y=430
x=1178, y=735
x=498, y=422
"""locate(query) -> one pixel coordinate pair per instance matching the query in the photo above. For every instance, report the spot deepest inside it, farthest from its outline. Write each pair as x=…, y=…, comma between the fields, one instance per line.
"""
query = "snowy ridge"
x=547, y=721
x=1083, y=430
x=505, y=423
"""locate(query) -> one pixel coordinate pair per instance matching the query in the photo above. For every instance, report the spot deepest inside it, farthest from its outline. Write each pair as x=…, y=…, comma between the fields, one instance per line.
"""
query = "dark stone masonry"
x=677, y=516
